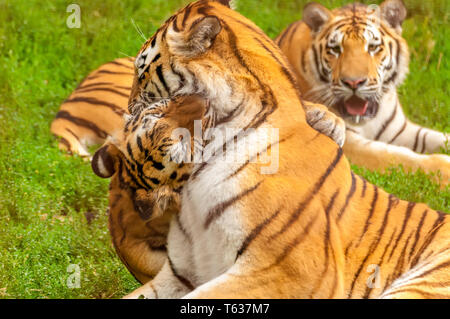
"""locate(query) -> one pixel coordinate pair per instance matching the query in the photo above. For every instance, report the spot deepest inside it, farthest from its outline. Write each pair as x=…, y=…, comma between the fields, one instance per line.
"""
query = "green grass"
x=44, y=194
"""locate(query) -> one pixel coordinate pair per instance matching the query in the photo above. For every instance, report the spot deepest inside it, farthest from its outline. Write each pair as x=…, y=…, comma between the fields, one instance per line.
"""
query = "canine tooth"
x=357, y=118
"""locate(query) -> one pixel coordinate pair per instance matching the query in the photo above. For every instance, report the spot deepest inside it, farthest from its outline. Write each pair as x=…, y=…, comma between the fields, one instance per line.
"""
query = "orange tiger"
x=311, y=229
x=353, y=59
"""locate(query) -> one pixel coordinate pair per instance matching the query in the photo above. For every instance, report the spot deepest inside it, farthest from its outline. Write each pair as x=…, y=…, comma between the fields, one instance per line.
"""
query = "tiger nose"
x=353, y=83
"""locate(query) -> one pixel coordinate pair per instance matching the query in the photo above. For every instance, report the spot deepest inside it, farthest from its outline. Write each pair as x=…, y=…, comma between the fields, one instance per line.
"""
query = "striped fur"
x=311, y=230
x=330, y=49
x=96, y=108
x=146, y=182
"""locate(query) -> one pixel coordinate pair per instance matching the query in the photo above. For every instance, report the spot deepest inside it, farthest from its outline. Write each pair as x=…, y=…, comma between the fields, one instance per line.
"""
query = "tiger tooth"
x=357, y=118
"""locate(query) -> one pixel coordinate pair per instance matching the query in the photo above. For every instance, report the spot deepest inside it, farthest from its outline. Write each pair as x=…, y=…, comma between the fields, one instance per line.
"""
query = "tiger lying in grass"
x=310, y=230
x=353, y=59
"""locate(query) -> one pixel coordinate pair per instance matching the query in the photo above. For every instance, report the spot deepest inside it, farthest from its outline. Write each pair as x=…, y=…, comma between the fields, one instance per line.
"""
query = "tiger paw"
x=438, y=162
x=166, y=200
x=321, y=119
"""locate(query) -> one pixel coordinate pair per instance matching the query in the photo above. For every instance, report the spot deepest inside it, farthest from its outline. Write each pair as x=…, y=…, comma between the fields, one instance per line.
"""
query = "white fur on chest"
x=213, y=247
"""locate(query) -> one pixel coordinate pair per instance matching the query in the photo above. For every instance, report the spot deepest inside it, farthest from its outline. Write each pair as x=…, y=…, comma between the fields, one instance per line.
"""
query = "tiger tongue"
x=356, y=106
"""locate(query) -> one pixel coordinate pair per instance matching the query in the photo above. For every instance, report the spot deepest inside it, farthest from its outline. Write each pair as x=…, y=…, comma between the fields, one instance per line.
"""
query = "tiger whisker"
x=139, y=31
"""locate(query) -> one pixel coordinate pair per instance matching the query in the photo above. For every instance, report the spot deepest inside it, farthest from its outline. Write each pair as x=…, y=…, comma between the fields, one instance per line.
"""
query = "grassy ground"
x=44, y=195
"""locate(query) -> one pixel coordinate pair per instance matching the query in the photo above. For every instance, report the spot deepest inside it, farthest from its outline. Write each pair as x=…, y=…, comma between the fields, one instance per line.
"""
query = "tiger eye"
x=335, y=50
x=373, y=47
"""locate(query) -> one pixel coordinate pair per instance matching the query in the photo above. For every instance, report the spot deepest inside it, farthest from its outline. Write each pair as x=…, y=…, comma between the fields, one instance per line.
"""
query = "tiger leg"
x=272, y=283
x=165, y=285
x=70, y=141
x=420, y=139
x=326, y=122
x=431, y=281
x=376, y=155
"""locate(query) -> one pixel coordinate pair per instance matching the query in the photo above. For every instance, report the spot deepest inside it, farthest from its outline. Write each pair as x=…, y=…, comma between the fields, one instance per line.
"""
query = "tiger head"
x=211, y=50
x=356, y=55
x=149, y=152
x=161, y=65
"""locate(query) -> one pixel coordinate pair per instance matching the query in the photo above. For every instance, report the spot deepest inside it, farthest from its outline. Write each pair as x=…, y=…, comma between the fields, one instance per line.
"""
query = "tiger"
x=353, y=59
x=95, y=109
x=309, y=229
x=142, y=203
x=141, y=206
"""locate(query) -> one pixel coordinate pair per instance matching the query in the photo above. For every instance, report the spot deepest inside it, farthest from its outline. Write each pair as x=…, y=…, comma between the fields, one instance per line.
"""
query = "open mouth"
x=357, y=108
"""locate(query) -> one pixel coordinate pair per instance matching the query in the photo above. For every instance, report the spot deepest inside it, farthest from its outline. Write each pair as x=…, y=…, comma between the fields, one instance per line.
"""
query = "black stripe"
x=104, y=89
x=405, y=222
x=103, y=83
x=312, y=194
x=268, y=106
x=182, y=228
x=373, y=247
x=254, y=156
x=430, y=236
x=294, y=31
x=294, y=243
x=280, y=40
x=255, y=232
x=65, y=142
x=113, y=72
x=287, y=72
x=440, y=266
x=302, y=61
x=186, y=15
x=139, y=143
x=424, y=139
x=220, y=208
x=72, y=133
x=364, y=187
x=326, y=244
x=318, y=65
x=156, y=58
x=120, y=64
x=349, y=196
x=372, y=210
x=418, y=232
x=183, y=280
x=387, y=122
x=82, y=122
x=417, y=139
x=399, y=132
x=115, y=108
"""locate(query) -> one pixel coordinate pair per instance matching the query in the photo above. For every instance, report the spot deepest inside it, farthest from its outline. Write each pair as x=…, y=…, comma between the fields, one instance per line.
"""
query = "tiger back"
x=95, y=109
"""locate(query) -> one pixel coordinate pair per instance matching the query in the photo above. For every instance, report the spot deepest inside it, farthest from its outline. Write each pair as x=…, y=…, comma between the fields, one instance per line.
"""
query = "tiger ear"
x=104, y=160
x=394, y=12
x=316, y=15
x=202, y=34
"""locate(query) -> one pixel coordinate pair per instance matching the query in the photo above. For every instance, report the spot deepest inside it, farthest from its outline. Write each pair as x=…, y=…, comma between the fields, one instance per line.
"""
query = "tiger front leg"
x=166, y=285
x=326, y=122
